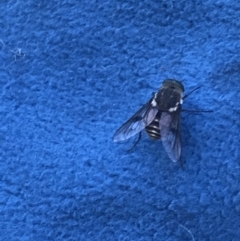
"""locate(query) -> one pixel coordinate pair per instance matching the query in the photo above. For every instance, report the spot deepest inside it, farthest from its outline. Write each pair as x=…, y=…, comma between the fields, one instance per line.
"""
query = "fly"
x=160, y=117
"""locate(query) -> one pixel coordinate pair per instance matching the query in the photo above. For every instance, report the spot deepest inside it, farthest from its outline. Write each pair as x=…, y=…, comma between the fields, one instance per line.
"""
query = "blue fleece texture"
x=71, y=72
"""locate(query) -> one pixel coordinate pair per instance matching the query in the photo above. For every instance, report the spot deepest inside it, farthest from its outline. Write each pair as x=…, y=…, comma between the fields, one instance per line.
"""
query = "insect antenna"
x=139, y=138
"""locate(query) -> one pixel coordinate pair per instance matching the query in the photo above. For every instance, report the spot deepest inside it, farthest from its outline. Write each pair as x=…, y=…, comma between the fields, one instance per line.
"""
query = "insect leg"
x=185, y=96
x=187, y=110
x=139, y=138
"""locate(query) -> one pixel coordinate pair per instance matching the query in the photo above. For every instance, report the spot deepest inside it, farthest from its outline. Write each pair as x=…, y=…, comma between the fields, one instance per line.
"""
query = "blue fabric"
x=71, y=72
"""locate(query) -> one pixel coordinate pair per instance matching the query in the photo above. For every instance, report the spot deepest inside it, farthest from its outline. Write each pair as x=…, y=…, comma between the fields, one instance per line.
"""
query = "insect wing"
x=136, y=123
x=170, y=127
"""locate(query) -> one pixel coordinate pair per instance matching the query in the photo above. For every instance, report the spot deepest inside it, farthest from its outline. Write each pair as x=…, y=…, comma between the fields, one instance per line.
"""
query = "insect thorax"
x=169, y=97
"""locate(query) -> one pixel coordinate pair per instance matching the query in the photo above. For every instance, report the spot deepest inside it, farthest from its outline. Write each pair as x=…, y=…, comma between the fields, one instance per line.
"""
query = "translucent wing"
x=136, y=123
x=170, y=127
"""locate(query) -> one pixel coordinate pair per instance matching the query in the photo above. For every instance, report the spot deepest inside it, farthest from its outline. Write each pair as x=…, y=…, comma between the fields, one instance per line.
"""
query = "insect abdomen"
x=153, y=129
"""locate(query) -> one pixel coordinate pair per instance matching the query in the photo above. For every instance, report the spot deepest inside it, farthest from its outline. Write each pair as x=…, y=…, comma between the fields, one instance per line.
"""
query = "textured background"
x=71, y=72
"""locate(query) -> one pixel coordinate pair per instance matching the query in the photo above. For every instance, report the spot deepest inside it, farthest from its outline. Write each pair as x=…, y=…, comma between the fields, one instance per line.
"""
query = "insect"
x=160, y=117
